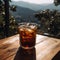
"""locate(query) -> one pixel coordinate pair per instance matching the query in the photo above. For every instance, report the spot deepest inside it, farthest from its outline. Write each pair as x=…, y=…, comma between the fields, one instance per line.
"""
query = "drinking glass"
x=27, y=35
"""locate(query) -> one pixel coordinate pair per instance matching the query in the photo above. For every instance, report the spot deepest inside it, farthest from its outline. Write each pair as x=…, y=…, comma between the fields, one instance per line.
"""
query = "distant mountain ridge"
x=22, y=14
x=25, y=11
x=35, y=7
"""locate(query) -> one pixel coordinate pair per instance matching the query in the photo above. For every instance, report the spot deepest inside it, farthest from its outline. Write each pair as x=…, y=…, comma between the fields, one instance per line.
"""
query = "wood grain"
x=46, y=48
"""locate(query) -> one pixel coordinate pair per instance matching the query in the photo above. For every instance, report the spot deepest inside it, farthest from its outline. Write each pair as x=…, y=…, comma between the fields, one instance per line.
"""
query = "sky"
x=37, y=1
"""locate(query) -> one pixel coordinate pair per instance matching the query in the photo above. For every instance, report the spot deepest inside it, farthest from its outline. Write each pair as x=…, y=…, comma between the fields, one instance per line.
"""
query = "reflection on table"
x=23, y=54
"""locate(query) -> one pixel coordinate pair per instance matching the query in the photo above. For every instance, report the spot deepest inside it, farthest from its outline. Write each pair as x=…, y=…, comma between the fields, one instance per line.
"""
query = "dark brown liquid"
x=27, y=37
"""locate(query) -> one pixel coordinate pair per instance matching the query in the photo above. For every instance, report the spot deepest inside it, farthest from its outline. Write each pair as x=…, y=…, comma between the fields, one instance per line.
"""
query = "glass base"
x=27, y=47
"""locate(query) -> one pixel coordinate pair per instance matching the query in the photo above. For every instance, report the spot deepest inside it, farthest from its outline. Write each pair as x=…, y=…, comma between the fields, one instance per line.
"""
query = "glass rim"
x=28, y=25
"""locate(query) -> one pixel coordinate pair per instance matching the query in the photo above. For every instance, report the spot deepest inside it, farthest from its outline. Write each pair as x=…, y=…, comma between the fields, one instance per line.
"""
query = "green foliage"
x=57, y=2
x=50, y=21
x=12, y=22
x=13, y=8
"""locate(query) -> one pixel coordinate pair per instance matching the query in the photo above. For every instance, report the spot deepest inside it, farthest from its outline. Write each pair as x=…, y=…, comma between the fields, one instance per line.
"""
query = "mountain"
x=35, y=7
x=23, y=14
x=25, y=11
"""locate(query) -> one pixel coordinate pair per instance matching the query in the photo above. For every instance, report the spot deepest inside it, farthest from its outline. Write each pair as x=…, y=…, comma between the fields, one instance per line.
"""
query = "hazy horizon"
x=37, y=1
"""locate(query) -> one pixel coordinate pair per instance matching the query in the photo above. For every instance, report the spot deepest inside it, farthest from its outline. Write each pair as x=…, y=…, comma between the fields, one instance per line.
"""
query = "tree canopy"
x=7, y=21
x=57, y=2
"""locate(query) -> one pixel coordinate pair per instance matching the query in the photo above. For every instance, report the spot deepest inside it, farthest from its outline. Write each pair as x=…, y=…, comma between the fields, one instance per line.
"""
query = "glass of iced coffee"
x=27, y=33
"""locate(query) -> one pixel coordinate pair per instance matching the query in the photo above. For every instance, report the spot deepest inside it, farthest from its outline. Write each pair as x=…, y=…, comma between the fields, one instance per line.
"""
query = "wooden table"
x=46, y=48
